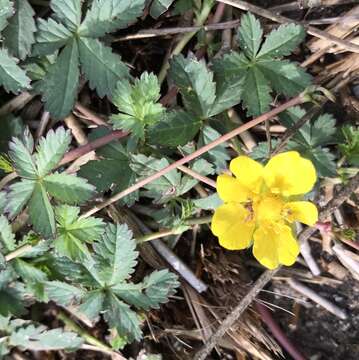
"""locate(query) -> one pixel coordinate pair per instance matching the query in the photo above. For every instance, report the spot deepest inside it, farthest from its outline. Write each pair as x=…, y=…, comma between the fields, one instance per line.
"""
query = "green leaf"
x=22, y=159
x=41, y=213
x=250, y=35
x=63, y=293
x=12, y=77
x=323, y=130
x=75, y=232
x=350, y=149
x=137, y=104
x=106, y=16
x=6, y=10
x=149, y=294
x=195, y=83
x=19, y=34
x=92, y=304
x=282, y=41
x=28, y=272
x=3, y=202
x=51, y=150
x=59, y=87
x=119, y=316
x=175, y=128
x=285, y=77
x=50, y=36
x=256, y=96
x=69, y=189
x=19, y=195
x=68, y=12
x=219, y=155
x=158, y=7
x=39, y=339
x=102, y=68
x=210, y=202
x=7, y=238
x=166, y=186
x=116, y=256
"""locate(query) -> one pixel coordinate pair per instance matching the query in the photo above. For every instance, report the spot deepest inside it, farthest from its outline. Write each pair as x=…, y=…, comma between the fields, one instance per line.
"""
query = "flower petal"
x=274, y=245
x=289, y=174
x=231, y=190
x=232, y=224
x=248, y=172
x=302, y=211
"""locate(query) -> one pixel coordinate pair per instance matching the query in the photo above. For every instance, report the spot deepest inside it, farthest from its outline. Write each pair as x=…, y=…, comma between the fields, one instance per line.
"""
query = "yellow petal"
x=230, y=189
x=270, y=208
x=274, y=245
x=248, y=172
x=289, y=174
x=302, y=211
x=233, y=225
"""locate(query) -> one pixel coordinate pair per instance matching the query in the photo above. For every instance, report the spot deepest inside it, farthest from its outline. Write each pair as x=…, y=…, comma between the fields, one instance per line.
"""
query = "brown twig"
x=293, y=102
x=243, y=5
x=16, y=103
x=299, y=5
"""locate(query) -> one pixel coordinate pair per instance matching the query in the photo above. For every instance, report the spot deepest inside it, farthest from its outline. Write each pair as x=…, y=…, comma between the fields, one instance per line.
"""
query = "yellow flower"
x=258, y=207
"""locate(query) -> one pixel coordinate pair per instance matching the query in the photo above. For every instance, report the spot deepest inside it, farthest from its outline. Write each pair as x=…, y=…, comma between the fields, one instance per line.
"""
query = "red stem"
x=278, y=332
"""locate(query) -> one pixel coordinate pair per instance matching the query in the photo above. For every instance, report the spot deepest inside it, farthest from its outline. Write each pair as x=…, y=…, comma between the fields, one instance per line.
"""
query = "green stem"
x=201, y=19
x=174, y=231
x=83, y=333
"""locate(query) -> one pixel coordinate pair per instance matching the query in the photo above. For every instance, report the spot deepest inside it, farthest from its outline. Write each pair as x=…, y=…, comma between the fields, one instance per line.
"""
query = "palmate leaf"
x=59, y=86
x=19, y=34
x=101, y=66
x=75, y=232
x=18, y=196
x=51, y=149
x=22, y=159
x=137, y=104
x=106, y=16
x=12, y=77
x=250, y=35
x=68, y=189
x=115, y=254
x=149, y=294
x=6, y=10
x=40, y=339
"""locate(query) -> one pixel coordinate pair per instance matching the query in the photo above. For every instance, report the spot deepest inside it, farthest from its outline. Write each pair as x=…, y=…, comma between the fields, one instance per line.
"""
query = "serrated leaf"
x=19, y=34
x=119, y=315
x=28, y=272
x=68, y=12
x=285, y=77
x=92, y=304
x=41, y=213
x=50, y=36
x=51, y=150
x=106, y=16
x=75, y=232
x=12, y=77
x=350, y=148
x=163, y=188
x=115, y=254
x=195, y=83
x=282, y=41
x=137, y=104
x=323, y=130
x=63, y=293
x=210, y=202
x=158, y=7
x=6, y=10
x=149, y=294
x=69, y=189
x=39, y=339
x=7, y=237
x=102, y=68
x=250, y=35
x=19, y=195
x=175, y=128
x=257, y=96
x=22, y=159
x=59, y=87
